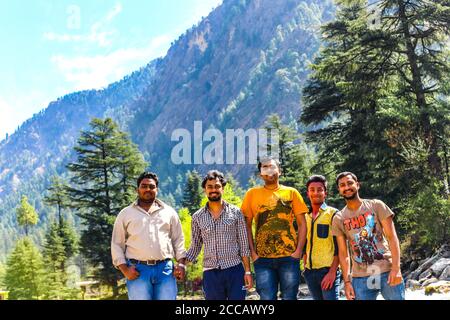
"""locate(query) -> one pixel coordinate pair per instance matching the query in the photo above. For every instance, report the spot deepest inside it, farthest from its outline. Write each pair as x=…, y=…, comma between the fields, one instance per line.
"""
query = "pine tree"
x=104, y=181
x=26, y=214
x=192, y=195
x=59, y=196
x=25, y=274
x=377, y=99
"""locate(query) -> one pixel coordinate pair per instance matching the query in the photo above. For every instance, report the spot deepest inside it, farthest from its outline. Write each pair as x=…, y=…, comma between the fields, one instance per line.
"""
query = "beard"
x=215, y=198
x=350, y=197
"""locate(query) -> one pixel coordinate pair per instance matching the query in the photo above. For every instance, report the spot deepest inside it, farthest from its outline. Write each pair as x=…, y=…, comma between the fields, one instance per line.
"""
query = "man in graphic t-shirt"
x=277, y=248
x=368, y=227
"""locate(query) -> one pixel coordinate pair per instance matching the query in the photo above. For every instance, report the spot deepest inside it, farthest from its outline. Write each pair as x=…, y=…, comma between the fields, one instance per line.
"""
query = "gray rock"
x=438, y=267
x=444, y=251
x=425, y=275
x=303, y=291
x=424, y=266
x=429, y=281
x=445, y=275
x=413, y=284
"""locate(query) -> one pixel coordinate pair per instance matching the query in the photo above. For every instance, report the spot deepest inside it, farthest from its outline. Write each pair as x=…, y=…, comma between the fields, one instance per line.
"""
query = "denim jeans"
x=271, y=273
x=155, y=282
x=314, y=279
x=367, y=288
x=224, y=284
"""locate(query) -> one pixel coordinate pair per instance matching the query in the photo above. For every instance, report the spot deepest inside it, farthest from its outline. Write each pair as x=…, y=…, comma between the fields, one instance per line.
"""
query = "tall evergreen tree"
x=26, y=214
x=58, y=196
x=103, y=179
x=25, y=274
x=378, y=97
x=192, y=195
x=55, y=258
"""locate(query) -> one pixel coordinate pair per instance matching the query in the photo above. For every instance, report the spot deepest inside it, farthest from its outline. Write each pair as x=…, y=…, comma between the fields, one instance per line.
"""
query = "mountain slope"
x=244, y=61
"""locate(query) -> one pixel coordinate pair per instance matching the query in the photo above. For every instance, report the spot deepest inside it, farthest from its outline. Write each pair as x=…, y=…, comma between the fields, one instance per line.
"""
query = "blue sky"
x=53, y=47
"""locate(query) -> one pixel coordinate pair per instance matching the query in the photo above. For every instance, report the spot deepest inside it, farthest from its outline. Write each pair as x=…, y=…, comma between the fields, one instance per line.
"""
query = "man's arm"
x=301, y=223
x=118, y=250
x=395, y=276
x=330, y=277
x=196, y=242
x=248, y=225
x=177, y=238
x=344, y=261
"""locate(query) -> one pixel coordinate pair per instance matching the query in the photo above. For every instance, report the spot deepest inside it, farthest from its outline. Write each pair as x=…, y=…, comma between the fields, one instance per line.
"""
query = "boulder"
x=438, y=267
x=413, y=284
x=303, y=291
x=444, y=251
x=429, y=281
x=438, y=287
x=445, y=275
x=423, y=267
x=425, y=275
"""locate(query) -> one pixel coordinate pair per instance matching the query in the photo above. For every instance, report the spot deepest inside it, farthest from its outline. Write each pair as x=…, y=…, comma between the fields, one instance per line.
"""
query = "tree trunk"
x=418, y=89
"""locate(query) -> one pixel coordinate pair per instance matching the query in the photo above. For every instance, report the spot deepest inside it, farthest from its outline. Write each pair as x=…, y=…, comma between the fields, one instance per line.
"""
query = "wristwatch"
x=248, y=272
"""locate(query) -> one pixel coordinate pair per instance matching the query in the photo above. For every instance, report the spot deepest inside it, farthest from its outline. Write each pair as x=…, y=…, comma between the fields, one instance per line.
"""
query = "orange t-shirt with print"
x=274, y=213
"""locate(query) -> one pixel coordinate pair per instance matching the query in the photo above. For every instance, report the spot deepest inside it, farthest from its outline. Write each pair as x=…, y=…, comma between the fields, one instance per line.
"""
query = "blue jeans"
x=314, y=281
x=273, y=272
x=154, y=282
x=224, y=284
x=368, y=289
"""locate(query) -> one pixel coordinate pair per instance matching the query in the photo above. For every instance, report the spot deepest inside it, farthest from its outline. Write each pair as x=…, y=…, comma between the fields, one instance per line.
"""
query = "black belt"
x=147, y=262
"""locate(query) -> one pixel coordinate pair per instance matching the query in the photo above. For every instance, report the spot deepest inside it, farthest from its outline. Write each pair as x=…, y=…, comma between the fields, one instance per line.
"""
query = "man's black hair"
x=343, y=174
x=147, y=175
x=213, y=175
x=317, y=178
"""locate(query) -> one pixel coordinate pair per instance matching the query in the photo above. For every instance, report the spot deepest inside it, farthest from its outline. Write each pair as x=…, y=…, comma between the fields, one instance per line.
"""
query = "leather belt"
x=147, y=262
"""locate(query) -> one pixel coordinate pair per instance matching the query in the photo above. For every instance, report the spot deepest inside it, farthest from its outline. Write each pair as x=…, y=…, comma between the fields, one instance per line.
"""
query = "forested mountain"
x=246, y=60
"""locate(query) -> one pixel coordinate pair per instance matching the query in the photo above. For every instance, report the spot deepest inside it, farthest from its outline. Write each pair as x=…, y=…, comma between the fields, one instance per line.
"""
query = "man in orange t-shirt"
x=276, y=249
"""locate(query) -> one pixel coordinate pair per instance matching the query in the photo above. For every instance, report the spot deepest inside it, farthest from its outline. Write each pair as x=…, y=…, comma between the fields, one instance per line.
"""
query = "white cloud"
x=98, y=33
x=93, y=72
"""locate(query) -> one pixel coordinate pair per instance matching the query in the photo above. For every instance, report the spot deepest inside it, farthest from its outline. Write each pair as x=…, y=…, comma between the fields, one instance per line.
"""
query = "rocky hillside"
x=246, y=60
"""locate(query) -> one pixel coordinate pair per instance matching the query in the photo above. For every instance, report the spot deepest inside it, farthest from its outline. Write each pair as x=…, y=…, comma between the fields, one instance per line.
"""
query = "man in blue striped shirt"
x=220, y=227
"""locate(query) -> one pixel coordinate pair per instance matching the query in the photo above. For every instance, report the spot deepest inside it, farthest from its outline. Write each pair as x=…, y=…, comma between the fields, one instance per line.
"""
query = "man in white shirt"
x=146, y=236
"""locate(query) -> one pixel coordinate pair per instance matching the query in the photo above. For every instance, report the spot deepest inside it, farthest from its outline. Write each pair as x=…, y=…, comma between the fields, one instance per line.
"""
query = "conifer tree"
x=103, y=181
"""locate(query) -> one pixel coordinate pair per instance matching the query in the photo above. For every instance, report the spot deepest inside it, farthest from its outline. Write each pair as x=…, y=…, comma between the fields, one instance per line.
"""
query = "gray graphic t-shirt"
x=362, y=228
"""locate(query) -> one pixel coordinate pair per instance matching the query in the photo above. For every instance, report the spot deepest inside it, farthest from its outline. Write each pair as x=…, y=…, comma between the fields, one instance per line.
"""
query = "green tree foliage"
x=26, y=214
x=426, y=205
x=194, y=270
x=104, y=181
x=55, y=258
x=25, y=273
x=58, y=195
x=192, y=195
x=2, y=277
x=377, y=99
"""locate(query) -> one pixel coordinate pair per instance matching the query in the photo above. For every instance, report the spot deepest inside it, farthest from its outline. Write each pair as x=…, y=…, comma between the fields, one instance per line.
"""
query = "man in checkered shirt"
x=220, y=227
